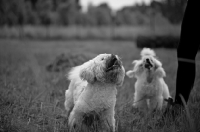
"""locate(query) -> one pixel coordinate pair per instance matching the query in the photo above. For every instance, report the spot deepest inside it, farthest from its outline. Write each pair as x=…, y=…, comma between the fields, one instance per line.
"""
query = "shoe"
x=173, y=109
x=171, y=113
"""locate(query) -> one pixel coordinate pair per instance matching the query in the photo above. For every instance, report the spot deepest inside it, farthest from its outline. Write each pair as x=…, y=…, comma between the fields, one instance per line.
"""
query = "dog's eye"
x=102, y=59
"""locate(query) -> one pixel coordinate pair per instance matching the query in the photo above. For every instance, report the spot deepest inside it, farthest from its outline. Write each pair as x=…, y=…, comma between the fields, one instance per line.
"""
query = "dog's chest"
x=102, y=99
x=149, y=77
x=150, y=89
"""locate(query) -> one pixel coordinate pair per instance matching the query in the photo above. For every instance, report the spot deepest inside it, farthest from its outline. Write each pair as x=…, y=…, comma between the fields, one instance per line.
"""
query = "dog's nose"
x=148, y=60
x=113, y=56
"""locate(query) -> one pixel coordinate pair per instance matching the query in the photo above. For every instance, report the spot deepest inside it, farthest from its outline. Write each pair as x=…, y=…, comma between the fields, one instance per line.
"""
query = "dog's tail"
x=74, y=73
x=147, y=51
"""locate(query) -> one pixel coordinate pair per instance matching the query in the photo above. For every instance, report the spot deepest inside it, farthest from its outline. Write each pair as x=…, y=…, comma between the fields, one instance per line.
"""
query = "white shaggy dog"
x=92, y=92
x=150, y=87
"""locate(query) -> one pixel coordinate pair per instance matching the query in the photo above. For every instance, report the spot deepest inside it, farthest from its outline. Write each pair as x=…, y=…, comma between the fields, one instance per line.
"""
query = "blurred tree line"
x=68, y=12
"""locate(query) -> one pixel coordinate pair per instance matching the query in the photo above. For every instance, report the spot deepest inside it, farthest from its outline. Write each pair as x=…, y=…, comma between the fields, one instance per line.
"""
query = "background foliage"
x=68, y=12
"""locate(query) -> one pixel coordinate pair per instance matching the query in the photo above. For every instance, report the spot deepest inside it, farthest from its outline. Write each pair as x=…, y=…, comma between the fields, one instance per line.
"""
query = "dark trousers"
x=186, y=52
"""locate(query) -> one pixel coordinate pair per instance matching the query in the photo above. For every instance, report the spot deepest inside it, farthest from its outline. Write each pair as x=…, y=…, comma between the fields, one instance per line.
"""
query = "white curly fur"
x=93, y=89
x=150, y=87
x=147, y=51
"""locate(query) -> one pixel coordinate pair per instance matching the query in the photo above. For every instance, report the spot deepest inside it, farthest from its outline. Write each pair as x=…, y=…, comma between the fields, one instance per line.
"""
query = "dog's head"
x=106, y=68
x=147, y=63
x=149, y=60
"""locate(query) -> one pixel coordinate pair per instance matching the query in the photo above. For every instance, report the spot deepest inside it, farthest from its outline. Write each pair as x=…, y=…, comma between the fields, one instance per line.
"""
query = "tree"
x=102, y=14
x=69, y=11
x=31, y=14
x=44, y=8
x=132, y=15
x=12, y=12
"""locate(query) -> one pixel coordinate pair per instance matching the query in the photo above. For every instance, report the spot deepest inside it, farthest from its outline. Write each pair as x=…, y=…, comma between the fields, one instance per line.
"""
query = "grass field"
x=31, y=98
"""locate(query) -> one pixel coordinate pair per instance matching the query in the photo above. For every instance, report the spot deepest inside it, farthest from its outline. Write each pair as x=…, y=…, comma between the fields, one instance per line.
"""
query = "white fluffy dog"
x=150, y=87
x=92, y=92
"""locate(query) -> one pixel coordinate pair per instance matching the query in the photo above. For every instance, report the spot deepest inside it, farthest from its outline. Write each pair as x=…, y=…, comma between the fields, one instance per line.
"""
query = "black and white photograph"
x=99, y=66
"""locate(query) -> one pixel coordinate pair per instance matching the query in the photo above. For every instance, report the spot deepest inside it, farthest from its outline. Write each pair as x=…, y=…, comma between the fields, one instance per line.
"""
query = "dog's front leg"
x=75, y=120
x=109, y=119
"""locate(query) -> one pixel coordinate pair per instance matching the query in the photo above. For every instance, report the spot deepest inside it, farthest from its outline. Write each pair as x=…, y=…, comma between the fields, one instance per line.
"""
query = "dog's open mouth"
x=112, y=64
x=148, y=64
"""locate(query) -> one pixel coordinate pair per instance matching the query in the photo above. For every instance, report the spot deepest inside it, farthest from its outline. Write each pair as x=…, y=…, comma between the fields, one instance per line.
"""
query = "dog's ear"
x=119, y=84
x=135, y=67
x=160, y=72
x=134, y=62
x=99, y=73
x=157, y=63
x=120, y=78
x=87, y=71
x=130, y=73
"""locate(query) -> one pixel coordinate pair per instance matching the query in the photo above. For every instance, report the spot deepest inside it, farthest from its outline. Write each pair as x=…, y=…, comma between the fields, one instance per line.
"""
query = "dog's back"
x=75, y=88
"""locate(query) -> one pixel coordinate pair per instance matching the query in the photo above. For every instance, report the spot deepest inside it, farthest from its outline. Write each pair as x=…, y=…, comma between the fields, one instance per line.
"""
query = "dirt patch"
x=65, y=61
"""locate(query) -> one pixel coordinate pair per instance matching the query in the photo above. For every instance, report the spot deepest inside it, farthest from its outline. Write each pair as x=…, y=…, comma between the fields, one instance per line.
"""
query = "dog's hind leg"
x=75, y=120
x=140, y=102
x=166, y=94
x=108, y=118
x=69, y=102
x=156, y=103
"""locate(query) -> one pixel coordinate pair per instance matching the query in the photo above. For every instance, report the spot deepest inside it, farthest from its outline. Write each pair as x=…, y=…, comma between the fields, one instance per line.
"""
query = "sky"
x=114, y=4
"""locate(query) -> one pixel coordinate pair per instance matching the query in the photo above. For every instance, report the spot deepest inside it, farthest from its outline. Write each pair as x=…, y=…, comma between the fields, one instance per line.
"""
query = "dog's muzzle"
x=113, y=63
x=148, y=64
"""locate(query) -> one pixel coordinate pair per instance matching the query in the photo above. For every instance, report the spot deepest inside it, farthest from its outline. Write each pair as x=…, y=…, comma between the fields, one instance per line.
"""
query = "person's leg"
x=185, y=80
x=186, y=52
